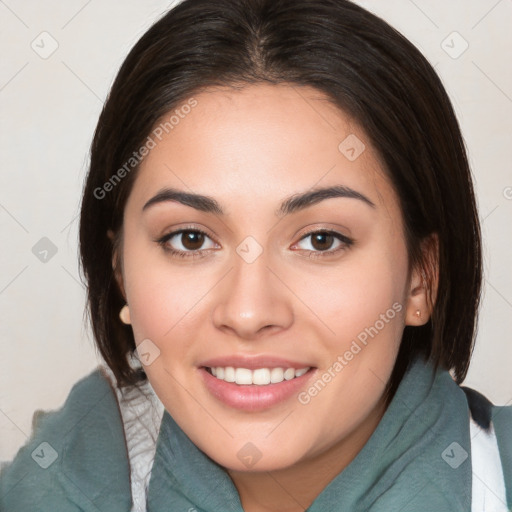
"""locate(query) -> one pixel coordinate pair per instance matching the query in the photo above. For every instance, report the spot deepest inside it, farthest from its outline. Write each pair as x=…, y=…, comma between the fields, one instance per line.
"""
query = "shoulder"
x=75, y=458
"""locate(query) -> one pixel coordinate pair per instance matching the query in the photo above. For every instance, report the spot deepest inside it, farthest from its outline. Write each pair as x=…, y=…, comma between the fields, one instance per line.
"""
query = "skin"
x=249, y=150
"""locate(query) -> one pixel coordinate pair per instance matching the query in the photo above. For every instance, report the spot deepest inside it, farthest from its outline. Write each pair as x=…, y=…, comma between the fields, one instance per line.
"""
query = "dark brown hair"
x=367, y=69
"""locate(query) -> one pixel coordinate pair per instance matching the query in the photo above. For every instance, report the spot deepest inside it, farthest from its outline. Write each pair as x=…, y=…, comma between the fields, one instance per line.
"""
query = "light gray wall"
x=49, y=109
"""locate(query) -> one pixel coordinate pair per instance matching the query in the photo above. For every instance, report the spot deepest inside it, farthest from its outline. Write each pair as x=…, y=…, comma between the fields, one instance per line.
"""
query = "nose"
x=252, y=300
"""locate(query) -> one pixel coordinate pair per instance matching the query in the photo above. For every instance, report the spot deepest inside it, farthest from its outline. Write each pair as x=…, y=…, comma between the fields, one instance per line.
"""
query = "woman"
x=282, y=250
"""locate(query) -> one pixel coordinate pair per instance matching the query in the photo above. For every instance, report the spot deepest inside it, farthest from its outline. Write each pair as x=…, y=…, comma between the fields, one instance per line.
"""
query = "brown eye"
x=322, y=241
x=186, y=242
x=192, y=240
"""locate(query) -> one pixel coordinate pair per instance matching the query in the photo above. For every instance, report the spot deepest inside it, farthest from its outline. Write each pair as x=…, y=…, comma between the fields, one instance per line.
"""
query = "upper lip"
x=254, y=362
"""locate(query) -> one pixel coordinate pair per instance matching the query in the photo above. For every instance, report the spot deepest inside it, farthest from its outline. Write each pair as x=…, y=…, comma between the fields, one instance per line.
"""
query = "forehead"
x=259, y=144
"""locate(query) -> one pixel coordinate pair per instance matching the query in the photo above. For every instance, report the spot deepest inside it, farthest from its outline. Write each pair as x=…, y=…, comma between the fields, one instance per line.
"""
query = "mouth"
x=255, y=389
x=257, y=377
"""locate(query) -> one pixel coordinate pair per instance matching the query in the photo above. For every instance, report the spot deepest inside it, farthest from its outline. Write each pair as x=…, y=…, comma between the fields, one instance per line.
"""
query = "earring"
x=124, y=315
x=418, y=313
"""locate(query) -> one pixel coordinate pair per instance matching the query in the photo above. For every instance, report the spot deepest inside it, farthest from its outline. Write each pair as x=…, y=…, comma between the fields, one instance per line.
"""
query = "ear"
x=116, y=263
x=423, y=284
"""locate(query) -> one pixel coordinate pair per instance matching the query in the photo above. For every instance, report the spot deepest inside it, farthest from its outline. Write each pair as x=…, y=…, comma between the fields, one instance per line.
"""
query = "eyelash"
x=182, y=254
x=346, y=242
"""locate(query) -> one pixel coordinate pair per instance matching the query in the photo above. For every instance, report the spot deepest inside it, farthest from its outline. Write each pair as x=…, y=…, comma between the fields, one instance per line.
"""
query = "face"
x=301, y=302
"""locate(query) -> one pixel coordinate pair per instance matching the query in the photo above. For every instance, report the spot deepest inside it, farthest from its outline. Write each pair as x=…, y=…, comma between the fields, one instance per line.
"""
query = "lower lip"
x=253, y=397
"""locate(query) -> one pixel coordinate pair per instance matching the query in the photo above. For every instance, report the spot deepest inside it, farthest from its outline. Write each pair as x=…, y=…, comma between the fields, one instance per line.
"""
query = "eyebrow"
x=292, y=204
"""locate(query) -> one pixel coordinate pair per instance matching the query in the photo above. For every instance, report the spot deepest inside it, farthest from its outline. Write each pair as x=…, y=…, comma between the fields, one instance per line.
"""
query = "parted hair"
x=364, y=67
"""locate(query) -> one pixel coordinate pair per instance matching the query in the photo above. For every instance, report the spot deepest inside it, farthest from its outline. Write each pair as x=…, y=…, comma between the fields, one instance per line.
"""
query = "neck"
x=293, y=489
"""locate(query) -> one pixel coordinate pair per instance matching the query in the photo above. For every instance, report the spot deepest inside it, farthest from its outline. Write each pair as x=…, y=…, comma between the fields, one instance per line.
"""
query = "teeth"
x=289, y=373
x=276, y=375
x=242, y=376
x=259, y=377
x=229, y=374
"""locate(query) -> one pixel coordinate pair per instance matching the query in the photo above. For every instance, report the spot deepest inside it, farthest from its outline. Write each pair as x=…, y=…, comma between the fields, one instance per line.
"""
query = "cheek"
x=158, y=293
x=363, y=304
x=353, y=295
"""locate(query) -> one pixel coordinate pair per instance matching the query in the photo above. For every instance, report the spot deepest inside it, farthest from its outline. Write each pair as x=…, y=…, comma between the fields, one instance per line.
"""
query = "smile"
x=257, y=389
x=258, y=376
